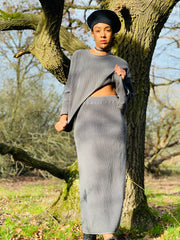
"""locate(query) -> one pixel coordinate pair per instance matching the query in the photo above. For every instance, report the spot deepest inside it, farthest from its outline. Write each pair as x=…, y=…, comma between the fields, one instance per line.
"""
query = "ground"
x=22, y=199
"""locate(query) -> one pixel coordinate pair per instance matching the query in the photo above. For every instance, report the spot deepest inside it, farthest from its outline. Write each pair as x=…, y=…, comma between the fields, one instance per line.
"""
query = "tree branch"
x=153, y=160
x=158, y=100
x=22, y=156
x=24, y=21
x=70, y=42
x=172, y=38
x=74, y=6
x=18, y=21
x=156, y=163
x=173, y=143
x=21, y=52
x=46, y=45
x=165, y=84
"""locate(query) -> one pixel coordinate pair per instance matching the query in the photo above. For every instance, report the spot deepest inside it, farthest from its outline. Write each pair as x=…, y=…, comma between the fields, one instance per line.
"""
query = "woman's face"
x=103, y=35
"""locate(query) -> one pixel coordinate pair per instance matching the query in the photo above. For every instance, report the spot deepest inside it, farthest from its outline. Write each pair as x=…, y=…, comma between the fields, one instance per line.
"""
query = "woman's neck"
x=100, y=52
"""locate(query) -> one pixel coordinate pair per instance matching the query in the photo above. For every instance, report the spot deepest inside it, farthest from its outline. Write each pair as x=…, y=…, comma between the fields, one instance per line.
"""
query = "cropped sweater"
x=89, y=72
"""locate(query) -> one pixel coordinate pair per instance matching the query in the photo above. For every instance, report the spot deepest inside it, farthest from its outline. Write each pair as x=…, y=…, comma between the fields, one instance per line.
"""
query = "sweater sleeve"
x=65, y=102
x=124, y=89
x=67, y=91
x=128, y=85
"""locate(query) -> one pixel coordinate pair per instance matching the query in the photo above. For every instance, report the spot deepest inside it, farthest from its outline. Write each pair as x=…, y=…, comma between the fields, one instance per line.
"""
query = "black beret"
x=104, y=16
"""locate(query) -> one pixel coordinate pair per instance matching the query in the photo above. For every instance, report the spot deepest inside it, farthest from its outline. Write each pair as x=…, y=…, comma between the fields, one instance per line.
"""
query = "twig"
x=21, y=52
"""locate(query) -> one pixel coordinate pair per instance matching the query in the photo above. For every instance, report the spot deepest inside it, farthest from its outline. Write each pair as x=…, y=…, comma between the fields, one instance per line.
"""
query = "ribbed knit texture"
x=100, y=136
x=88, y=72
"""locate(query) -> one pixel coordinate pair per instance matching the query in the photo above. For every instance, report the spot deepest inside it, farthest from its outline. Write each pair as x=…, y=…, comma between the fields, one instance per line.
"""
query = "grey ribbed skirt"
x=100, y=137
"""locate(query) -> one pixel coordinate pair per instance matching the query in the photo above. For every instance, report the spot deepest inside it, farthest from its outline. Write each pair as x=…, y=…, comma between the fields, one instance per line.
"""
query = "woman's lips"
x=103, y=41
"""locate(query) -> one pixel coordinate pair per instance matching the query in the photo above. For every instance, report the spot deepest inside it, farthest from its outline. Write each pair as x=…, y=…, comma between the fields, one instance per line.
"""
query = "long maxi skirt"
x=100, y=137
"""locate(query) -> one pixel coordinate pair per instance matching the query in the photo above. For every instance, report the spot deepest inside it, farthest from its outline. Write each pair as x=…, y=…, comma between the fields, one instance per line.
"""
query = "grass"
x=22, y=205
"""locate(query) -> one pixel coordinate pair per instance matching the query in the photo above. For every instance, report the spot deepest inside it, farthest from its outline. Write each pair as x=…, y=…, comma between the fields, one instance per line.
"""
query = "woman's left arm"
x=126, y=77
x=120, y=71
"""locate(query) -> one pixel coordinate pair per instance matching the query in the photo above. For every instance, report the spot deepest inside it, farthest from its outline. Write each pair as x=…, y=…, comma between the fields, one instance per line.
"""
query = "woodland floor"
x=159, y=190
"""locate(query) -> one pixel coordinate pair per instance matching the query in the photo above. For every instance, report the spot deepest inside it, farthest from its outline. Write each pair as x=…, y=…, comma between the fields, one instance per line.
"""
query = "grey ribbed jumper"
x=88, y=72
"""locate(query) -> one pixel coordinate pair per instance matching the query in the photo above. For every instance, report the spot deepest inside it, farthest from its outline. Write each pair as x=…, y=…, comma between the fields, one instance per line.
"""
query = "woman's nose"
x=103, y=34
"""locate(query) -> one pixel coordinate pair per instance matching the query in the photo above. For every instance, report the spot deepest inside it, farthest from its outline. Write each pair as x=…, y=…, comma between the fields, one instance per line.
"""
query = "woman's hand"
x=60, y=126
x=120, y=72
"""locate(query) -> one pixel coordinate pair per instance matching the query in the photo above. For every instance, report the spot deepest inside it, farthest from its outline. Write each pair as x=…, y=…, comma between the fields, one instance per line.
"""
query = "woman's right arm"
x=61, y=124
x=63, y=121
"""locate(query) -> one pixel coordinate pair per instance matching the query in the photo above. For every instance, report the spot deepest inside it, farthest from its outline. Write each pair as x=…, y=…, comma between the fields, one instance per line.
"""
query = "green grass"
x=22, y=208
x=165, y=204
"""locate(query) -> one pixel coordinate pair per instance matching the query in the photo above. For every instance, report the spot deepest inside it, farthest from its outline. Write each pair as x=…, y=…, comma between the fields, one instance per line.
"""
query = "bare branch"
x=166, y=67
x=173, y=143
x=157, y=138
x=32, y=9
x=22, y=156
x=172, y=38
x=166, y=84
x=74, y=6
x=154, y=156
x=158, y=100
x=156, y=163
x=20, y=53
x=167, y=133
x=172, y=27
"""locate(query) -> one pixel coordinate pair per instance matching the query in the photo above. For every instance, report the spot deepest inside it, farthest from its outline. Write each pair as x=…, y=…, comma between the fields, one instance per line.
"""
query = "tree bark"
x=142, y=22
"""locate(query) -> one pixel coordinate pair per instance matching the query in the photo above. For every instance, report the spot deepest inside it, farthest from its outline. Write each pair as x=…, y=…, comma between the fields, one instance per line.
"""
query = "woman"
x=95, y=95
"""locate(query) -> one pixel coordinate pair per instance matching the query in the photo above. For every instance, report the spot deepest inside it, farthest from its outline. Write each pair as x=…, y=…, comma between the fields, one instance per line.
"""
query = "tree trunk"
x=142, y=22
x=67, y=206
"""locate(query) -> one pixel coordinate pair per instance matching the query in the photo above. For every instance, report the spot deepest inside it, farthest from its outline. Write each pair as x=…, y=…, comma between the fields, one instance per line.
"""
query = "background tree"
x=142, y=22
x=28, y=109
x=162, y=136
x=162, y=126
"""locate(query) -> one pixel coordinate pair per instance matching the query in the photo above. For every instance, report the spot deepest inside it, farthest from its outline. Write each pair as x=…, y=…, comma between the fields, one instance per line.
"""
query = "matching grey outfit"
x=100, y=137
